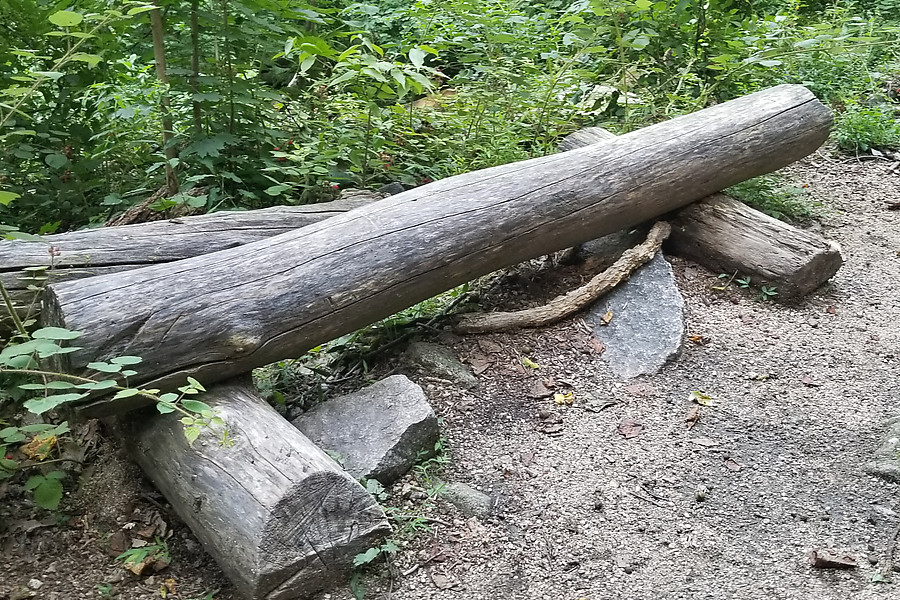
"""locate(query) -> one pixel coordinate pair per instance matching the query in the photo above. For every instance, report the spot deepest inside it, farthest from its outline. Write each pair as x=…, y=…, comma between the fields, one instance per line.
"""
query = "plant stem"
x=7, y=300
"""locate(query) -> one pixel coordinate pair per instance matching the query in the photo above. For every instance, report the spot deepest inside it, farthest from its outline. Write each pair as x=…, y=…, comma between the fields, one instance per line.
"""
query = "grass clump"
x=861, y=128
x=771, y=195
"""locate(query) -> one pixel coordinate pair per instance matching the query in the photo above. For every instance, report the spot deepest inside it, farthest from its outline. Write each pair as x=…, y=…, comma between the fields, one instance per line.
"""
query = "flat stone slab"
x=467, y=499
x=886, y=463
x=376, y=433
x=647, y=325
x=439, y=361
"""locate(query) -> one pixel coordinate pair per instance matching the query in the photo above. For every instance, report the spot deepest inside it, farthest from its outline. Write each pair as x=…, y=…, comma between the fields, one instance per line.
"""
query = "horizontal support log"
x=92, y=252
x=280, y=517
x=218, y=315
x=726, y=235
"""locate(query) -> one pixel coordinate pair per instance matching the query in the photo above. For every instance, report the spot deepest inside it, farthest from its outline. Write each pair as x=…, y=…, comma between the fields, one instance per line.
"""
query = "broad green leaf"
x=56, y=161
x=195, y=406
x=139, y=9
x=164, y=409
x=126, y=393
x=417, y=56
x=366, y=557
x=125, y=360
x=196, y=384
x=91, y=59
x=48, y=493
x=55, y=333
x=191, y=433
x=97, y=385
x=346, y=75
x=39, y=406
x=7, y=197
x=104, y=367
x=643, y=4
x=65, y=18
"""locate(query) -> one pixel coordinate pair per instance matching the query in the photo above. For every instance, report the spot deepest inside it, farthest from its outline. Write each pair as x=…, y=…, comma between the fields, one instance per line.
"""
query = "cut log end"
x=281, y=518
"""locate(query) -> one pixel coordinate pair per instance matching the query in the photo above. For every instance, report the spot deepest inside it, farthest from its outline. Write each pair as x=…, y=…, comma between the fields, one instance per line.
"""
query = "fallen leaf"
x=733, y=465
x=530, y=363
x=550, y=428
x=747, y=319
x=704, y=441
x=39, y=448
x=630, y=428
x=831, y=310
x=640, y=389
x=490, y=347
x=807, y=380
x=829, y=559
x=698, y=339
x=693, y=415
x=701, y=398
x=596, y=346
x=480, y=363
x=754, y=376
x=540, y=390
x=606, y=318
x=526, y=458
x=146, y=532
x=566, y=398
x=118, y=543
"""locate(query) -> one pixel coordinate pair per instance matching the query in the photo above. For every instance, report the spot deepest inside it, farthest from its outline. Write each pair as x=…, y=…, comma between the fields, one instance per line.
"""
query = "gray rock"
x=439, y=361
x=391, y=188
x=647, y=326
x=467, y=499
x=887, y=458
x=377, y=432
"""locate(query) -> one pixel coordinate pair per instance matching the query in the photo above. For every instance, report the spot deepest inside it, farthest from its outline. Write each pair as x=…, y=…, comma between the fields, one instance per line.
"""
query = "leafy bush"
x=860, y=128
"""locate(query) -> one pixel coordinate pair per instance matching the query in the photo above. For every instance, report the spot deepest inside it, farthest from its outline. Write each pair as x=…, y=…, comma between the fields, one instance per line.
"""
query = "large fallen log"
x=92, y=252
x=281, y=518
x=726, y=235
x=225, y=313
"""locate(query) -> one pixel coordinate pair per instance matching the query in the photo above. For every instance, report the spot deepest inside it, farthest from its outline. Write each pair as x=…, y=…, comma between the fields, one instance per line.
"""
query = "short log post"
x=280, y=517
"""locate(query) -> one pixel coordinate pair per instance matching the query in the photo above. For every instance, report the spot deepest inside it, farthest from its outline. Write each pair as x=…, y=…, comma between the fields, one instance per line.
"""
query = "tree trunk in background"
x=159, y=55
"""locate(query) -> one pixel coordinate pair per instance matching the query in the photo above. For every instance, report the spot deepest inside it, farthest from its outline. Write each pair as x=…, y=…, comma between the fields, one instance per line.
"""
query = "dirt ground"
x=728, y=508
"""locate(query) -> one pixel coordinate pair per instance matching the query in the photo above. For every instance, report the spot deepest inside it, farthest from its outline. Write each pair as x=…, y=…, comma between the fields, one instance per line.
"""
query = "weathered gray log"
x=727, y=236
x=92, y=252
x=281, y=518
x=221, y=314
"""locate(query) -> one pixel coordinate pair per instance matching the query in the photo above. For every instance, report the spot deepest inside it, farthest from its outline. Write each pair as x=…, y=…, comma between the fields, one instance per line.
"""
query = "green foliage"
x=771, y=195
x=135, y=556
x=860, y=129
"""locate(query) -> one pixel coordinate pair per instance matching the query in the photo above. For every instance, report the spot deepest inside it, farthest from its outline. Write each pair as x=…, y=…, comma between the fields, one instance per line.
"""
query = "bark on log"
x=92, y=252
x=281, y=518
x=726, y=235
x=225, y=313
x=570, y=303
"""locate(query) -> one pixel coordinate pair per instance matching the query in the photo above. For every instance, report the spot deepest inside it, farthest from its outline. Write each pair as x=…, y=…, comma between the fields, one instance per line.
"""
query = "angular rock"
x=887, y=458
x=647, y=322
x=467, y=499
x=441, y=362
x=377, y=432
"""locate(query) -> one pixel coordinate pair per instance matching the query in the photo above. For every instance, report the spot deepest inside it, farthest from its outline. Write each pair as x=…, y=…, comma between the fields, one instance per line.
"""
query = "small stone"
x=35, y=584
x=873, y=558
x=441, y=362
x=628, y=569
x=467, y=499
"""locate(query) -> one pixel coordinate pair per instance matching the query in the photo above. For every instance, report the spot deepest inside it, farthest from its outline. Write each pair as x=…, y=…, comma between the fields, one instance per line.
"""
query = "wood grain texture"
x=727, y=236
x=222, y=314
x=281, y=518
x=92, y=252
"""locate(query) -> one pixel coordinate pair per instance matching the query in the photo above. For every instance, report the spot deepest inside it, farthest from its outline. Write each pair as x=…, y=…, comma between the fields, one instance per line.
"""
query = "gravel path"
x=730, y=508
